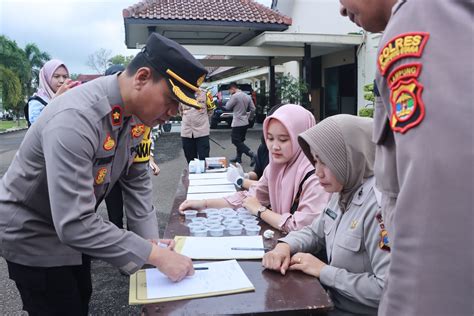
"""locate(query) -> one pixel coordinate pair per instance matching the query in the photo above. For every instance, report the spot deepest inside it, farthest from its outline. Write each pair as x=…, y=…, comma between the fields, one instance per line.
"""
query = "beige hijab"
x=344, y=144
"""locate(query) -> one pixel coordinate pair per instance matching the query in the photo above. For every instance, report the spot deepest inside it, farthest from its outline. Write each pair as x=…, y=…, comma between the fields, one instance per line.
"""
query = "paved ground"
x=110, y=288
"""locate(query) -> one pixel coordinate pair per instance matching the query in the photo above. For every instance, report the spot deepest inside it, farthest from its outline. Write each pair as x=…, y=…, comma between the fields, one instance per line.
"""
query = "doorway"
x=340, y=90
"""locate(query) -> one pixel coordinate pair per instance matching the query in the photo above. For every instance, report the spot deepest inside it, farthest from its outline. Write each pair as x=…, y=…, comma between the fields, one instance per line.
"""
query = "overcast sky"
x=69, y=30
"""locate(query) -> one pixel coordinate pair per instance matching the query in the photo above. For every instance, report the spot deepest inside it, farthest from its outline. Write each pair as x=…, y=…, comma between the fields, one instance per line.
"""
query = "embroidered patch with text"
x=408, y=109
x=403, y=45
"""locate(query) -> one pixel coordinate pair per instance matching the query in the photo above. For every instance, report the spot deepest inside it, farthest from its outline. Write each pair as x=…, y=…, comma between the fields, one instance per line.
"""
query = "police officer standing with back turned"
x=81, y=145
x=424, y=161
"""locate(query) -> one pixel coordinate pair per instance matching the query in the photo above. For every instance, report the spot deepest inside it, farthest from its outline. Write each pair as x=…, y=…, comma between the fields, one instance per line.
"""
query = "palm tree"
x=36, y=58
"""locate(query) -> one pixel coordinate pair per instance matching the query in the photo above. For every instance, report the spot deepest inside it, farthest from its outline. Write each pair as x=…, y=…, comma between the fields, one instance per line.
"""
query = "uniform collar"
x=115, y=101
x=363, y=192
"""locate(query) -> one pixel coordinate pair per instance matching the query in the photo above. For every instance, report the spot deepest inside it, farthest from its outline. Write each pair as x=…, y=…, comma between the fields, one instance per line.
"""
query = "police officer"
x=424, y=165
x=70, y=158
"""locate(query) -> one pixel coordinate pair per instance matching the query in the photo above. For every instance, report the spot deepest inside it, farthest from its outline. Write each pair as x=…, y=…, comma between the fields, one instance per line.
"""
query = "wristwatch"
x=239, y=182
x=260, y=210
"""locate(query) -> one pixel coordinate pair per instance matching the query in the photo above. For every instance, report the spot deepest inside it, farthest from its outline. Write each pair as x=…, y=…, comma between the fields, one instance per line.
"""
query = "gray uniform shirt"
x=427, y=81
x=357, y=265
x=240, y=103
x=69, y=159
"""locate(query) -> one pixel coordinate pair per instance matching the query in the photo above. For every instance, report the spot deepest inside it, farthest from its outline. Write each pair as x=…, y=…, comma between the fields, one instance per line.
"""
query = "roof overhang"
x=195, y=32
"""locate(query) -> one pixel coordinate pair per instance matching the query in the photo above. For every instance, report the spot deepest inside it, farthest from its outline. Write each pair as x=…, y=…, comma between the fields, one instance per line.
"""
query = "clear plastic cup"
x=216, y=231
x=213, y=222
x=227, y=211
x=228, y=222
x=244, y=217
x=211, y=211
x=234, y=229
x=189, y=214
x=252, y=230
x=202, y=220
x=193, y=226
x=199, y=232
x=242, y=210
x=215, y=218
x=250, y=222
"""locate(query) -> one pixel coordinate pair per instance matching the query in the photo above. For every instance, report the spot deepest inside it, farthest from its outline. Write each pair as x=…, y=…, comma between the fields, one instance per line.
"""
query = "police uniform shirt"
x=358, y=258
x=68, y=161
x=423, y=129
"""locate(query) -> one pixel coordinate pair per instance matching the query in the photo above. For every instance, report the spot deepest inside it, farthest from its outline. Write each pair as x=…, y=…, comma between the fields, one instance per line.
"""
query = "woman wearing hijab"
x=351, y=228
x=288, y=195
x=53, y=81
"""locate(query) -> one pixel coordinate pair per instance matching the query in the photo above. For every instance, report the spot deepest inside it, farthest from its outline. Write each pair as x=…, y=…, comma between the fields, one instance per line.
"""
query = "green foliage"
x=120, y=60
x=366, y=112
x=369, y=93
x=11, y=88
x=37, y=59
x=291, y=89
x=73, y=76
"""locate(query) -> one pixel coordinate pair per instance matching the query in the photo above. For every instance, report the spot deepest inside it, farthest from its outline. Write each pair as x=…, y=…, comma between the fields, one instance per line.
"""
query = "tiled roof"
x=206, y=10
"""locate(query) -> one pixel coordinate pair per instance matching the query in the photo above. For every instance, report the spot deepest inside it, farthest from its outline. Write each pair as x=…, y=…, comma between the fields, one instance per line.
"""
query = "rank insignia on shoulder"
x=408, y=109
x=138, y=130
x=116, y=115
x=109, y=143
x=401, y=46
x=100, y=175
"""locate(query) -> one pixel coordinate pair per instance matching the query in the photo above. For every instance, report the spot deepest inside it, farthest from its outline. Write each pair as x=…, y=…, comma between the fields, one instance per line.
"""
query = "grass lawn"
x=4, y=125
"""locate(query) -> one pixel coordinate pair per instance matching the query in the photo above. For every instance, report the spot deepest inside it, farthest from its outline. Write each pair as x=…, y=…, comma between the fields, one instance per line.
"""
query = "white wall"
x=366, y=66
x=293, y=68
x=316, y=16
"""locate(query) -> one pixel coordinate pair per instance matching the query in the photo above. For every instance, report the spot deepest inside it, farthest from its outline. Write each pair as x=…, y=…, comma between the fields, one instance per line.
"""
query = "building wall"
x=366, y=66
x=316, y=16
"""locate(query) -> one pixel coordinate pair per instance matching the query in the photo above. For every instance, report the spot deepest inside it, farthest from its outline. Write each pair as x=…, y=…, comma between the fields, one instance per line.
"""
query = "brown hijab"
x=344, y=144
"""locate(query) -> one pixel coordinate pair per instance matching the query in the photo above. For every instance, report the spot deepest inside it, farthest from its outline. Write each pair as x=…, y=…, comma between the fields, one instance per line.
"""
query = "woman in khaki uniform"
x=351, y=228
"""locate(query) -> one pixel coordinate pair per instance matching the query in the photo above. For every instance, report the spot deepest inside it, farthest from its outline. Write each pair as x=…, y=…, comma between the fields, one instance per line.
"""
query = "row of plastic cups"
x=199, y=230
x=217, y=219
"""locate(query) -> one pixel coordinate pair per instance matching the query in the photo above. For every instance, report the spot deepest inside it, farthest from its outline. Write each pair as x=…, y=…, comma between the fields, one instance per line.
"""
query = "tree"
x=99, y=60
x=291, y=89
x=15, y=75
x=120, y=60
x=37, y=59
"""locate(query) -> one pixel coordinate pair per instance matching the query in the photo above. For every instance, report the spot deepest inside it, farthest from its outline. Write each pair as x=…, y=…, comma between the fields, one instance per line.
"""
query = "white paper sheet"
x=211, y=188
x=217, y=175
x=220, y=277
x=202, y=196
x=218, y=181
x=221, y=247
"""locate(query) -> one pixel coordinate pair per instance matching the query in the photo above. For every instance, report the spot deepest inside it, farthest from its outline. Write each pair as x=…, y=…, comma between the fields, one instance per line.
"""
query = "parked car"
x=221, y=98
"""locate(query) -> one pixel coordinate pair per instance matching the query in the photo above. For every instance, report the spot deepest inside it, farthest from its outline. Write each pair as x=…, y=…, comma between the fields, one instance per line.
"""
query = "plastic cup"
x=242, y=210
x=245, y=217
x=215, y=218
x=213, y=222
x=202, y=220
x=193, y=226
x=234, y=229
x=199, y=232
x=216, y=231
x=250, y=222
x=211, y=211
x=228, y=222
x=227, y=211
x=252, y=230
x=189, y=214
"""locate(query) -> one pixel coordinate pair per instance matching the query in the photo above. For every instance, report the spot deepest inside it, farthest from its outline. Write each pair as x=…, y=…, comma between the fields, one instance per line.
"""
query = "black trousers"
x=238, y=138
x=196, y=147
x=64, y=290
x=114, y=202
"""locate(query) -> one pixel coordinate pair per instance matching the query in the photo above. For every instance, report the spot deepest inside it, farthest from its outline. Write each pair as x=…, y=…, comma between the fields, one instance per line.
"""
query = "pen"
x=248, y=248
x=201, y=268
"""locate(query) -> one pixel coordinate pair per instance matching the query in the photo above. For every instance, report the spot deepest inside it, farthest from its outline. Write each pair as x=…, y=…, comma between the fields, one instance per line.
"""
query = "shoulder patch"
x=401, y=46
x=408, y=109
x=138, y=130
x=406, y=71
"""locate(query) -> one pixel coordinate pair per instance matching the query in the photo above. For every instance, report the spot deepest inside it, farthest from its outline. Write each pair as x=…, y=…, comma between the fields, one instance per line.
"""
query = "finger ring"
x=299, y=260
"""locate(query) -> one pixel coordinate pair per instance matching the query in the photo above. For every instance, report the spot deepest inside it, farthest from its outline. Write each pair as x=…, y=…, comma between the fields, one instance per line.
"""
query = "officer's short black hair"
x=140, y=61
x=233, y=85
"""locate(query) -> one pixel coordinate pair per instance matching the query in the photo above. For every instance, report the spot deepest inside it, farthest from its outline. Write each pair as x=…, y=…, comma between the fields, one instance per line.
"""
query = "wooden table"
x=295, y=293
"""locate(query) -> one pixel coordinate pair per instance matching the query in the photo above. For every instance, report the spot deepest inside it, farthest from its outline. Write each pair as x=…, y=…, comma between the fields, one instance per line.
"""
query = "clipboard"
x=138, y=291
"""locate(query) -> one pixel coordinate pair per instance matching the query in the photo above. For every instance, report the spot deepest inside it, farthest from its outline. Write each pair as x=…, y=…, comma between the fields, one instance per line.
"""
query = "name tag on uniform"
x=330, y=213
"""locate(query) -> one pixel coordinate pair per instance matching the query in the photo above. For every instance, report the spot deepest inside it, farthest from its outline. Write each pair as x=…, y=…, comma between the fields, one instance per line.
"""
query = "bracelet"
x=260, y=210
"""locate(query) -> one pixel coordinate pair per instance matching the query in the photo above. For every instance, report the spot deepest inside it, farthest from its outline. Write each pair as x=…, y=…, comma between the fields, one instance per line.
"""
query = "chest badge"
x=384, y=243
x=408, y=109
x=330, y=213
x=109, y=143
x=100, y=175
x=354, y=223
x=116, y=115
x=138, y=130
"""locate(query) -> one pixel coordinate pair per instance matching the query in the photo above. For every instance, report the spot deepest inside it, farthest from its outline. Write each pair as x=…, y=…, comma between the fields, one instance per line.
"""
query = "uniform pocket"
x=328, y=225
x=350, y=242
x=381, y=122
